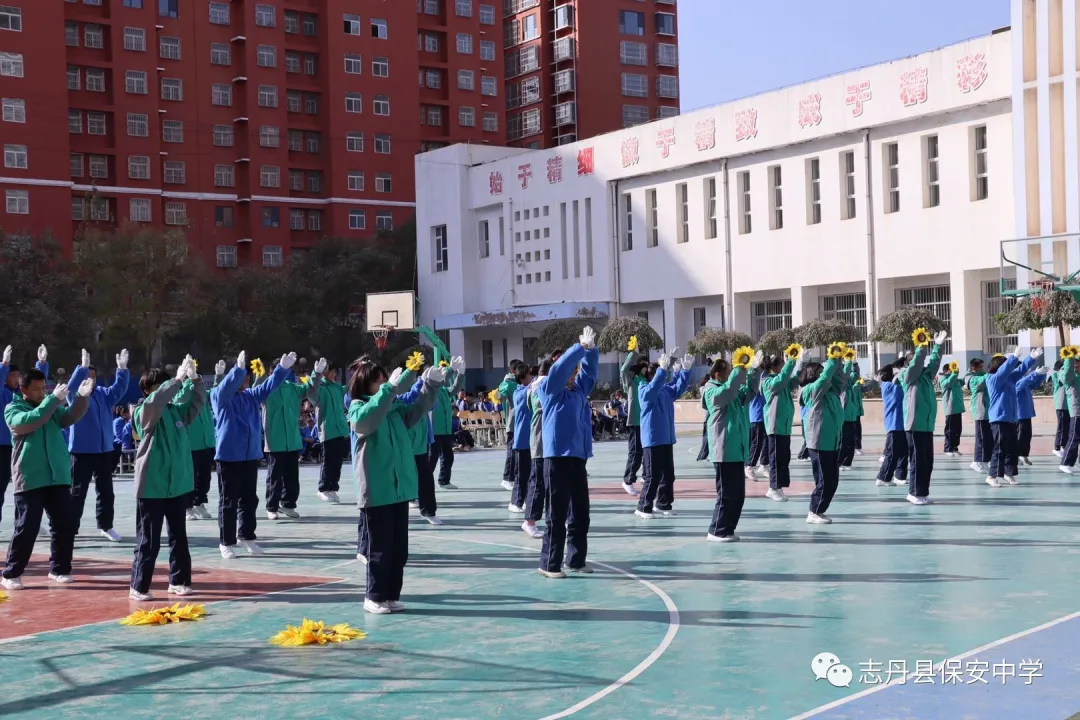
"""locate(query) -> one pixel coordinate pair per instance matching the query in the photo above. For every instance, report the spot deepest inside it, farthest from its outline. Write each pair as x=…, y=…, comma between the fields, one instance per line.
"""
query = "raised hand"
x=193, y=369
x=122, y=360
x=42, y=354
x=759, y=357
x=1018, y=352
x=1042, y=370
x=676, y=368
x=457, y=364
x=687, y=362
x=434, y=376
x=941, y=337
x=85, y=361
x=85, y=388
x=395, y=377
x=320, y=366
x=1036, y=353
x=588, y=338
x=241, y=360
x=219, y=369
x=665, y=362
x=7, y=355
x=181, y=371
x=288, y=360
x=60, y=392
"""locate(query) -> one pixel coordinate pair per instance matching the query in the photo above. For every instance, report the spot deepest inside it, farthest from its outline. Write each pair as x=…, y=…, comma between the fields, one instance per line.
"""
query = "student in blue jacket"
x=758, y=461
x=567, y=438
x=523, y=375
x=1002, y=375
x=10, y=380
x=657, y=399
x=894, y=464
x=93, y=456
x=238, y=450
x=1025, y=405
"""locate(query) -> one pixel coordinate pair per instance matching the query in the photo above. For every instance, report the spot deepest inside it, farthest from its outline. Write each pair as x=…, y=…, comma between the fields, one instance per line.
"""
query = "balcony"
x=563, y=49
x=667, y=55
x=565, y=114
x=564, y=82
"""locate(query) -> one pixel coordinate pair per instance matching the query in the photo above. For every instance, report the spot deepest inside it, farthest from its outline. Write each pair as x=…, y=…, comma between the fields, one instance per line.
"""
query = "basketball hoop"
x=1040, y=295
x=382, y=335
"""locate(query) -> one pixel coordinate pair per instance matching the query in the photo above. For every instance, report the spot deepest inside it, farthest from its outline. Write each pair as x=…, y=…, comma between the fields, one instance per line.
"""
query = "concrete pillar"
x=671, y=326
x=804, y=305
x=967, y=316
x=741, y=321
x=886, y=303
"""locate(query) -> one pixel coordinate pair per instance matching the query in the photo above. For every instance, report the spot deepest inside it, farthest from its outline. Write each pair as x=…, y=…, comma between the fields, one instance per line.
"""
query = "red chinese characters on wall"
x=585, y=162
x=971, y=72
x=524, y=173
x=810, y=111
x=913, y=86
x=495, y=183
x=554, y=169
x=858, y=94
x=631, y=152
x=705, y=134
x=745, y=125
x=664, y=140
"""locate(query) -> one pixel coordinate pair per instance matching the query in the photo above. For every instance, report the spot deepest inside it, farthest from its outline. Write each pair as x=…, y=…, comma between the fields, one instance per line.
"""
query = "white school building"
x=845, y=197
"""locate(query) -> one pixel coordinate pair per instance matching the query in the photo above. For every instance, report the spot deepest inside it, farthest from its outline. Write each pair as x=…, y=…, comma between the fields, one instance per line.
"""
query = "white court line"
x=903, y=678
x=669, y=636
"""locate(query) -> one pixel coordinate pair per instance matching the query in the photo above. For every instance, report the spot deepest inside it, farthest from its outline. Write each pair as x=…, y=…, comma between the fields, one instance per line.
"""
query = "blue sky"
x=733, y=48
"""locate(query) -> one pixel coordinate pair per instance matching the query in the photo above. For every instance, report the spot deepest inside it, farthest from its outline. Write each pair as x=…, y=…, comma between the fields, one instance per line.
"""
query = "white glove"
x=687, y=362
x=219, y=369
x=1036, y=353
x=434, y=376
x=320, y=366
x=288, y=360
x=60, y=392
x=241, y=360
x=395, y=377
x=665, y=362
x=941, y=337
x=85, y=388
x=676, y=368
x=1042, y=369
x=42, y=354
x=901, y=354
x=759, y=357
x=588, y=338
x=7, y=355
x=181, y=372
x=122, y=360
x=1018, y=351
x=457, y=364
x=85, y=362
x=192, y=371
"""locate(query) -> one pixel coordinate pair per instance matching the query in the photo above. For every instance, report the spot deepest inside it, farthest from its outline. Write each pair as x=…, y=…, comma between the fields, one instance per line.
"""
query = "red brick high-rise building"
x=259, y=126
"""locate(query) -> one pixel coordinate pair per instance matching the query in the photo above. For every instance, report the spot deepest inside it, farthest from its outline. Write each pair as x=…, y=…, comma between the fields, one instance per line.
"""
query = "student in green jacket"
x=164, y=476
x=385, y=472
x=633, y=375
x=281, y=434
x=823, y=424
x=779, y=418
x=851, y=389
x=442, y=423
x=920, y=414
x=201, y=438
x=333, y=433
x=41, y=474
x=980, y=414
x=727, y=396
x=952, y=401
x=506, y=402
x=1070, y=380
x=1061, y=410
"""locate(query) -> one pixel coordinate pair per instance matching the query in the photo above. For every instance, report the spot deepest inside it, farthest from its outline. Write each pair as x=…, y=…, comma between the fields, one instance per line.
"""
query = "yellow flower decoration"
x=921, y=337
x=860, y=381
x=850, y=353
x=1069, y=352
x=743, y=357
x=793, y=350
x=304, y=379
x=954, y=367
x=195, y=363
x=310, y=632
x=493, y=396
x=415, y=362
x=165, y=615
x=444, y=364
x=632, y=345
x=258, y=368
x=836, y=350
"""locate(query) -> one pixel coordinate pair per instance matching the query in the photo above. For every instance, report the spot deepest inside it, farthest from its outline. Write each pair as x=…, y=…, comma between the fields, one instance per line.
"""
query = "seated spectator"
x=463, y=439
x=616, y=409
x=602, y=423
x=123, y=444
x=309, y=433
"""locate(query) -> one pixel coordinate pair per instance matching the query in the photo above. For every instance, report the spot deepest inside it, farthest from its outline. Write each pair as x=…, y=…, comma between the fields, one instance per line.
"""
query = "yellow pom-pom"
x=793, y=350
x=954, y=367
x=311, y=632
x=415, y=362
x=836, y=350
x=195, y=364
x=632, y=345
x=258, y=368
x=493, y=396
x=860, y=381
x=165, y=615
x=743, y=357
x=3, y=596
x=1069, y=352
x=921, y=337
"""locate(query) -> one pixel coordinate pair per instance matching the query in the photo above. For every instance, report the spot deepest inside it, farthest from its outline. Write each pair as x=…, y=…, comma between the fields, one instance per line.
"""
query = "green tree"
x=897, y=326
x=1061, y=311
x=713, y=342
x=615, y=337
x=819, y=333
x=776, y=341
x=559, y=335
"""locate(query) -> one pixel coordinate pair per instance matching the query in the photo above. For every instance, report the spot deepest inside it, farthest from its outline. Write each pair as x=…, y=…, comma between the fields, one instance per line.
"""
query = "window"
x=489, y=86
x=663, y=112
x=483, y=235
x=466, y=80
x=174, y=172
x=135, y=39
x=11, y=65
x=15, y=157
x=95, y=80
x=75, y=121
x=266, y=56
x=268, y=96
x=380, y=67
x=172, y=131
x=487, y=15
x=269, y=136
x=71, y=34
x=564, y=17
x=308, y=25
x=770, y=315
x=296, y=217
x=378, y=29
x=296, y=180
x=134, y=81
x=440, y=247
x=353, y=64
x=892, y=177
x=293, y=61
x=264, y=16
x=169, y=48
x=14, y=110
x=995, y=341
x=356, y=180
x=382, y=144
x=77, y=165
x=219, y=13
x=292, y=23
x=382, y=182
x=932, y=197
x=682, y=197
x=847, y=171
x=78, y=209
x=271, y=256
x=431, y=7
x=224, y=176
x=271, y=217
x=813, y=191
x=563, y=49
x=667, y=86
x=354, y=141
x=936, y=298
x=314, y=142
x=565, y=113
x=17, y=201
x=139, y=210
x=982, y=179
x=270, y=176
x=99, y=166
x=667, y=55
x=653, y=220
x=710, y=208
x=73, y=78
x=138, y=167
x=354, y=103
x=293, y=101
x=311, y=103
x=849, y=308
x=631, y=23
x=634, y=115
x=745, y=225
x=89, y=2
x=169, y=9
x=10, y=19
x=224, y=136
x=384, y=221
x=464, y=43
x=94, y=36
x=487, y=50
x=314, y=220
x=433, y=78
x=352, y=25
x=463, y=8
x=628, y=228
x=491, y=122
x=95, y=123
x=357, y=220
x=314, y=181
x=665, y=24
x=226, y=255
x=171, y=89
x=529, y=29
x=221, y=94
x=635, y=85
x=382, y=104
x=223, y=216
x=99, y=210
x=467, y=116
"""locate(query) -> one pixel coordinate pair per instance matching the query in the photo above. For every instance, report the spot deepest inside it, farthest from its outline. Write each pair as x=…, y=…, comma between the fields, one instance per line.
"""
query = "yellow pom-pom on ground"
x=311, y=632
x=837, y=350
x=165, y=615
x=415, y=362
x=632, y=345
x=793, y=350
x=3, y=596
x=921, y=337
x=743, y=357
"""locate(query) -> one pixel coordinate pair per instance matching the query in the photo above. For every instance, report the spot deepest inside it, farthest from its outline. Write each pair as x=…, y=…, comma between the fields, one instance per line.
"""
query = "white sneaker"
x=11, y=583
x=334, y=497
x=251, y=547
x=722, y=538
x=917, y=500
x=376, y=608
x=845, y=468
x=507, y=485
x=859, y=452
x=289, y=512
x=948, y=454
x=452, y=486
x=1011, y=480
x=227, y=551
x=433, y=520
x=777, y=495
x=531, y=530
x=325, y=497
x=583, y=570
x=361, y=558
x=644, y=515
x=881, y=460
x=272, y=515
x=1060, y=453
x=630, y=489
x=180, y=590
x=192, y=514
x=885, y=483
x=957, y=453
x=1025, y=461
x=414, y=504
x=749, y=474
x=515, y=508
x=1065, y=469
x=111, y=535
x=140, y=596
x=762, y=470
x=992, y=481
x=61, y=579
x=814, y=519
x=395, y=606
x=984, y=467
x=977, y=467
x=670, y=512
x=557, y=575
x=927, y=500
x=204, y=514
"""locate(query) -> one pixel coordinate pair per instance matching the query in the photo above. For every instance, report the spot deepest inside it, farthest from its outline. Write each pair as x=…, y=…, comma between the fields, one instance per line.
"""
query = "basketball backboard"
x=391, y=309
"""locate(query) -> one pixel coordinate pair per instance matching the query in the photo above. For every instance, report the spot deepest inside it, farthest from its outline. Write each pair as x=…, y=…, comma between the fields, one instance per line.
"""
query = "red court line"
x=99, y=594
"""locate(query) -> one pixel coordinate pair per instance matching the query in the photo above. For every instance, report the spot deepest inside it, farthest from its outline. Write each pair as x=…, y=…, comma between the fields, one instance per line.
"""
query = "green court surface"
x=668, y=626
